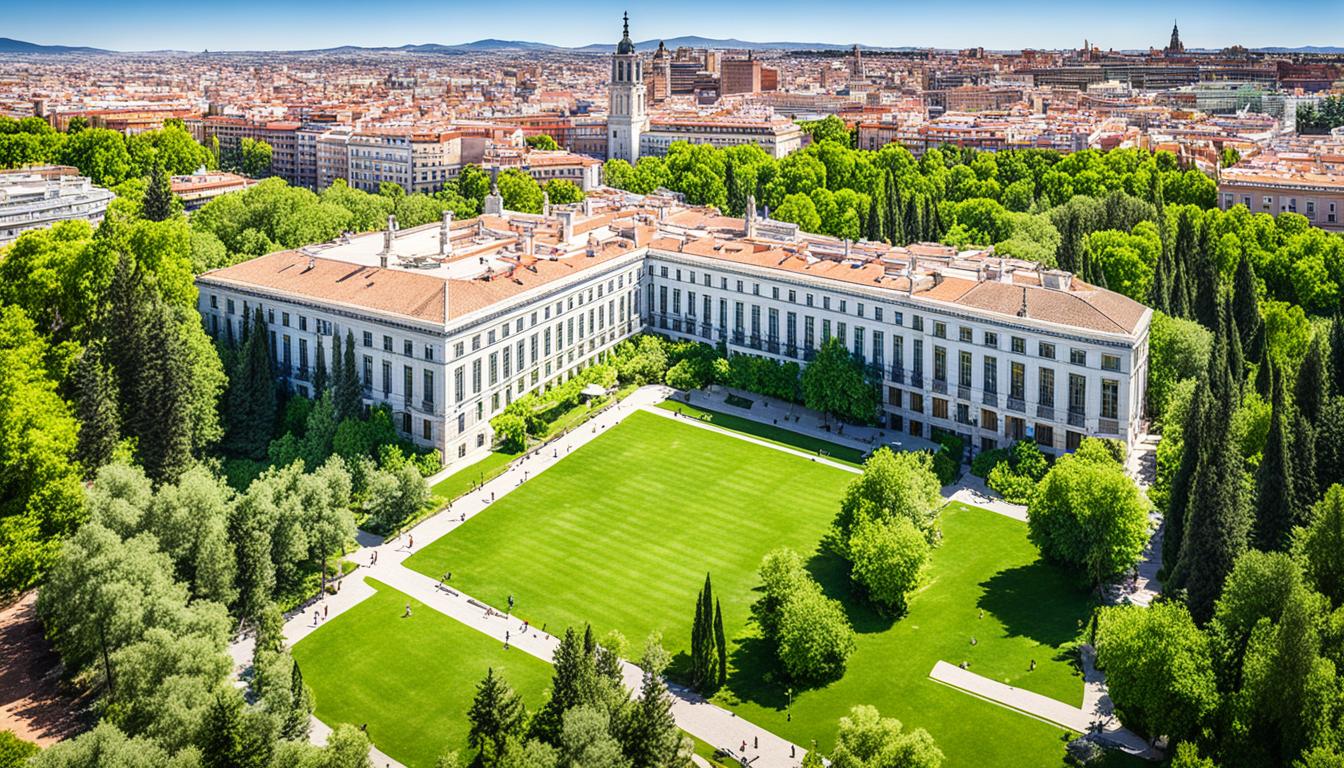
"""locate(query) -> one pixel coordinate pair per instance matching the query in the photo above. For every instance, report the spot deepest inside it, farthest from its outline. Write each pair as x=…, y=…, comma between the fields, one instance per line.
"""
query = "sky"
x=137, y=25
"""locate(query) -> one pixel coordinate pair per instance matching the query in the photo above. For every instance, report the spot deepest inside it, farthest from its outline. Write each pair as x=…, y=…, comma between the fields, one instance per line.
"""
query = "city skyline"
x=148, y=25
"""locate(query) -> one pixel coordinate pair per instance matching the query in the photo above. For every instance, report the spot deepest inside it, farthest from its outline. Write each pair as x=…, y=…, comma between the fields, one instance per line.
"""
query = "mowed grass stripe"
x=410, y=679
x=622, y=531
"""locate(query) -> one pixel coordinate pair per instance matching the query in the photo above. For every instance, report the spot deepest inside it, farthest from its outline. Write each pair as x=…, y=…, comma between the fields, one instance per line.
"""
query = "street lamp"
x=788, y=709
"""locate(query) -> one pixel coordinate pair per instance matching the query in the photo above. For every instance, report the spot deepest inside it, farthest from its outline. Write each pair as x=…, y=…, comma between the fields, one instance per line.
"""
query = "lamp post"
x=788, y=708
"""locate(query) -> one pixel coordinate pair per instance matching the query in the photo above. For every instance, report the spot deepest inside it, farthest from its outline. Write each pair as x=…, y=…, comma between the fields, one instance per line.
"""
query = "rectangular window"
x=368, y=339
x=1110, y=398
x=1078, y=356
x=939, y=408
x=1077, y=394
x=991, y=374
x=1046, y=350
x=1017, y=378
x=940, y=329
x=939, y=364
x=1110, y=363
x=429, y=385
x=966, y=335
x=964, y=369
x=1046, y=389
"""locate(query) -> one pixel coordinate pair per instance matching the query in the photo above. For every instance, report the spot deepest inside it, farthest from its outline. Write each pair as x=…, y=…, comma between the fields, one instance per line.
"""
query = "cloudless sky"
x=291, y=25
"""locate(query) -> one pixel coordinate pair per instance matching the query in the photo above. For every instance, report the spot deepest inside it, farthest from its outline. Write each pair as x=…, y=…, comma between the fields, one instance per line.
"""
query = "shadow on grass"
x=1039, y=601
x=756, y=674
x=832, y=573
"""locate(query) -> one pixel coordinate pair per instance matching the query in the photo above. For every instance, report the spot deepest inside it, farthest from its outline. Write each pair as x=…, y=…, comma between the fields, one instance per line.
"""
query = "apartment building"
x=38, y=197
x=453, y=321
x=1296, y=175
x=739, y=76
x=778, y=137
x=197, y=189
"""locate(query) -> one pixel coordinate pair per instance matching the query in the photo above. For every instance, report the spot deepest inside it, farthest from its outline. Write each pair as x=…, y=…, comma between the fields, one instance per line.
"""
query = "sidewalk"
x=708, y=722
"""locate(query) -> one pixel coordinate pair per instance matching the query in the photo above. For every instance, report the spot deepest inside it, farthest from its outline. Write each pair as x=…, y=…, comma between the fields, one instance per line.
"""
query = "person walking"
x=408, y=612
x=324, y=611
x=506, y=638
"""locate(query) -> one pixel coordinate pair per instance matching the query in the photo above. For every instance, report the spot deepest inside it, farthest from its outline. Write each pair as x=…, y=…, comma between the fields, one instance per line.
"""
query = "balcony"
x=917, y=379
x=1046, y=412
x=990, y=398
x=963, y=392
x=896, y=374
x=1077, y=418
x=791, y=350
x=809, y=354
x=1108, y=426
x=940, y=386
x=772, y=345
x=754, y=342
x=739, y=338
x=705, y=330
x=1017, y=404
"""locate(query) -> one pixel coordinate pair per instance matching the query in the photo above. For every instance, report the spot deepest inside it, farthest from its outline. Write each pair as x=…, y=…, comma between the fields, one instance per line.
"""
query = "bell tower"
x=626, y=118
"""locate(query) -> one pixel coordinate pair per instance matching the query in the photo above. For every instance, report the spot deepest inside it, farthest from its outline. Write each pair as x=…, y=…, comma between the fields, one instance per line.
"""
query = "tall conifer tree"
x=1275, y=501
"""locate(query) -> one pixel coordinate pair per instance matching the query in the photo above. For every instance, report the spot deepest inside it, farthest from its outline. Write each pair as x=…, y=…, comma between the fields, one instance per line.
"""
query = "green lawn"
x=466, y=478
x=769, y=432
x=410, y=679
x=621, y=532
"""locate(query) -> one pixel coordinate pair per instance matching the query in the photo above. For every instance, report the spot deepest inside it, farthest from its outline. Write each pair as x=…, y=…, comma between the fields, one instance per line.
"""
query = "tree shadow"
x=756, y=675
x=832, y=573
x=1039, y=601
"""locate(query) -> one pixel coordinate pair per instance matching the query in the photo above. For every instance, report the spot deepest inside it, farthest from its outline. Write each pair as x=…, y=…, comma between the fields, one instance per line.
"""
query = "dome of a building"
x=626, y=45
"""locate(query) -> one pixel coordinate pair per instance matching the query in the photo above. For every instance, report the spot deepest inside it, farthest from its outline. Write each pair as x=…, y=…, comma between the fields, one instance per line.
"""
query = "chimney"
x=566, y=226
x=445, y=234
x=528, y=244
x=388, y=234
x=545, y=203
x=587, y=206
x=751, y=215
x=846, y=248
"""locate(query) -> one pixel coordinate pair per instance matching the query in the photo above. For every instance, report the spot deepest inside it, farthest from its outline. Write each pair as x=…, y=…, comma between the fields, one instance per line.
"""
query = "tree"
x=720, y=643
x=254, y=158
x=834, y=384
x=650, y=737
x=704, y=659
x=396, y=496
x=159, y=201
x=96, y=409
x=1159, y=669
x=1321, y=545
x=563, y=191
x=586, y=740
x=893, y=485
x=496, y=715
x=1312, y=383
x=320, y=368
x=1275, y=500
x=865, y=739
x=799, y=209
x=520, y=191
x=14, y=752
x=224, y=739
x=1178, y=350
x=346, y=396
x=1088, y=514
x=104, y=747
x=543, y=142
x=573, y=679
x=829, y=128
x=39, y=478
x=252, y=394
x=888, y=559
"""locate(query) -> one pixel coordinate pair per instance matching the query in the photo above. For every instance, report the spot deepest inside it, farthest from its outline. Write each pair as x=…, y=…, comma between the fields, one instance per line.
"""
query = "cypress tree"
x=1309, y=394
x=935, y=218
x=913, y=230
x=301, y=706
x=1236, y=361
x=1330, y=445
x=223, y=741
x=164, y=436
x=1304, y=467
x=349, y=400
x=320, y=370
x=1173, y=534
x=1337, y=353
x=96, y=408
x=698, y=641
x=1217, y=524
x=1263, y=384
x=1159, y=295
x=1207, y=277
x=157, y=204
x=720, y=643
x=1275, y=500
x=252, y=394
x=572, y=679
x=496, y=715
x=704, y=662
x=893, y=221
x=127, y=323
x=874, y=229
x=1246, y=306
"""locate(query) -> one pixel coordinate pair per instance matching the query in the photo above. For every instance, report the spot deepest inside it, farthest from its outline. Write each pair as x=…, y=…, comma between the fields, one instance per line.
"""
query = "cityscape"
x=946, y=394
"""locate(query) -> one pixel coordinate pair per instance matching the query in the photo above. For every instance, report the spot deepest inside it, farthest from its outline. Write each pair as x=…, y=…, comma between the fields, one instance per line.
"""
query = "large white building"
x=38, y=197
x=453, y=321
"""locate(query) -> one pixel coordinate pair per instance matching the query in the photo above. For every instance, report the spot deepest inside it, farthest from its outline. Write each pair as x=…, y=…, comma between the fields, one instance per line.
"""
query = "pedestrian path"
x=1095, y=716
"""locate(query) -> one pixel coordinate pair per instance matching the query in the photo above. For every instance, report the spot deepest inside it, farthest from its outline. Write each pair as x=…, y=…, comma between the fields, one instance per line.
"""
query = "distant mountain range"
x=8, y=45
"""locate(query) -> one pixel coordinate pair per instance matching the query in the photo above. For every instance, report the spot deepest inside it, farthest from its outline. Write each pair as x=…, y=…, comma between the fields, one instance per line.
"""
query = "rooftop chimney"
x=545, y=203
x=751, y=215
x=587, y=206
x=566, y=226
x=846, y=248
x=445, y=234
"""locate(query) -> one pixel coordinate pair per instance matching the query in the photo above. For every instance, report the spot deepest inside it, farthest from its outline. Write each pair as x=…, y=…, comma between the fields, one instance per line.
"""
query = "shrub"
x=510, y=431
x=811, y=633
x=985, y=461
x=1016, y=479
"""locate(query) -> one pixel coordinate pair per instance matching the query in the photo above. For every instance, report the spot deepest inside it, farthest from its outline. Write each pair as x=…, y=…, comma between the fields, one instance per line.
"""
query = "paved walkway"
x=1095, y=716
x=383, y=560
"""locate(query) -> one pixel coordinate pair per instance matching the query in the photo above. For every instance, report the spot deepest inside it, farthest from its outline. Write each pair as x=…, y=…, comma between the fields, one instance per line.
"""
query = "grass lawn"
x=620, y=533
x=411, y=680
x=466, y=478
x=769, y=432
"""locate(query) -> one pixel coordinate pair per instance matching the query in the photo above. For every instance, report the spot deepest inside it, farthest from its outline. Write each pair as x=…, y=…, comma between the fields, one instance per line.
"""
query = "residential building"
x=40, y=196
x=197, y=189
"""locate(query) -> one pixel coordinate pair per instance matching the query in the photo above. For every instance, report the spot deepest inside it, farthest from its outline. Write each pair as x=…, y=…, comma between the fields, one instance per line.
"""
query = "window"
x=964, y=369
x=1110, y=363
x=940, y=329
x=965, y=334
x=1046, y=350
x=991, y=374
x=939, y=408
x=991, y=339
x=368, y=339
x=429, y=385
x=429, y=352
x=939, y=364
x=1110, y=398
x=1018, y=345
x=1077, y=394
x=1017, y=381
x=1078, y=356
x=408, y=347
x=1045, y=435
x=1045, y=394
x=427, y=430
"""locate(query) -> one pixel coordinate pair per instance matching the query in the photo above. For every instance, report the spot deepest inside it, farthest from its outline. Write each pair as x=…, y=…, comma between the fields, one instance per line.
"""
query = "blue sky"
x=281, y=24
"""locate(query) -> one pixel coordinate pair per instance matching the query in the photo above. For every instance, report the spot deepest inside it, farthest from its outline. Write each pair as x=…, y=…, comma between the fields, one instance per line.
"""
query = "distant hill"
x=9, y=45
x=695, y=41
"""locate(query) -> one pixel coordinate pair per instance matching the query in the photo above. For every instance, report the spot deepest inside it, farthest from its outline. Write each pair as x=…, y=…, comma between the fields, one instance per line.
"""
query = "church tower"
x=626, y=118
x=1175, y=45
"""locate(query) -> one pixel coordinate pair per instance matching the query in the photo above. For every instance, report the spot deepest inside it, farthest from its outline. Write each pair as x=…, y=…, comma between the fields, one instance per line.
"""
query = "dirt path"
x=34, y=702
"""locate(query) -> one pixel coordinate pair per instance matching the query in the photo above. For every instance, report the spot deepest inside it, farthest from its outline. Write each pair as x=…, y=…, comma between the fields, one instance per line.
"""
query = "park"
x=620, y=533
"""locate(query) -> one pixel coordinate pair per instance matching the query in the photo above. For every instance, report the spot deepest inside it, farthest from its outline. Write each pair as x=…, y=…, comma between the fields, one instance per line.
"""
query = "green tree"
x=834, y=383
x=888, y=559
x=650, y=737
x=563, y=191
x=1275, y=501
x=252, y=394
x=893, y=485
x=158, y=204
x=542, y=141
x=865, y=739
x=320, y=368
x=396, y=496
x=496, y=714
x=14, y=752
x=96, y=409
x=720, y=643
x=1088, y=514
x=520, y=191
x=799, y=209
x=1159, y=669
x=254, y=158
x=346, y=396
x=1321, y=546
x=704, y=659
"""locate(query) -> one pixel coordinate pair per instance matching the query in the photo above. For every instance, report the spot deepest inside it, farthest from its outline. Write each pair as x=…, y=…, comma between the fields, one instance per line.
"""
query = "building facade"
x=38, y=197
x=453, y=321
